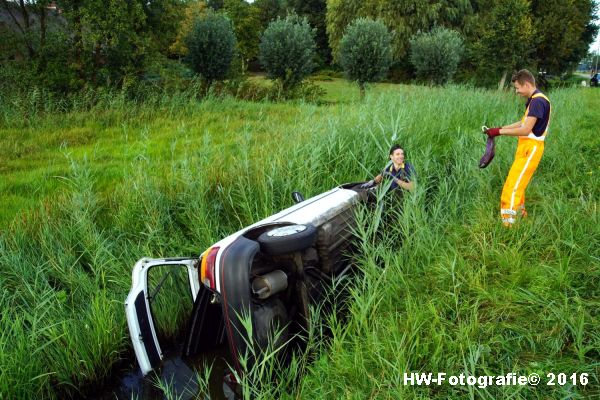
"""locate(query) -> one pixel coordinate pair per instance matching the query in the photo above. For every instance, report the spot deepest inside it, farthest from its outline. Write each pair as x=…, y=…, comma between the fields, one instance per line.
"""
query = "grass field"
x=86, y=193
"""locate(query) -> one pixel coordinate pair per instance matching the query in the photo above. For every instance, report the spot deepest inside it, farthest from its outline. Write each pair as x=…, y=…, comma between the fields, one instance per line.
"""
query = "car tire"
x=270, y=317
x=287, y=239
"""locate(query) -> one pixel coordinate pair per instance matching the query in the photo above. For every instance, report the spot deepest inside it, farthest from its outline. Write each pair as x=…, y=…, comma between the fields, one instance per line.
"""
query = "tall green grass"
x=461, y=294
x=445, y=290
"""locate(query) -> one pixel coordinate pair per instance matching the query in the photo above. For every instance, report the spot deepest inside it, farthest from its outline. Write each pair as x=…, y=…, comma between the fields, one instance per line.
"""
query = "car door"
x=162, y=294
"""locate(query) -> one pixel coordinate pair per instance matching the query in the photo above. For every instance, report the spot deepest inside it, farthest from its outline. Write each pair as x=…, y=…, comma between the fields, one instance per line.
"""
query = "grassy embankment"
x=105, y=186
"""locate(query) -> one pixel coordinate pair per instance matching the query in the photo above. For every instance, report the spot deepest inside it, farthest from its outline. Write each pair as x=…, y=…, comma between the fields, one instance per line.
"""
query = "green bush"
x=211, y=45
x=327, y=75
x=287, y=50
x=54, y=69
x=366, y=52
x=435, y=55
x=51, y=69
x=246, y=89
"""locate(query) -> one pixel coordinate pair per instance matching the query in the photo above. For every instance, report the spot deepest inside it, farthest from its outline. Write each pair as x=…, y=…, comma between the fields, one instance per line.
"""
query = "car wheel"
x=268, y=318
x=287, y=239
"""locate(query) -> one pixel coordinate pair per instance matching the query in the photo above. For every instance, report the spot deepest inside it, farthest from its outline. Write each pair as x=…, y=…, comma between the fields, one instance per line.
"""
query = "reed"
x=91, y=187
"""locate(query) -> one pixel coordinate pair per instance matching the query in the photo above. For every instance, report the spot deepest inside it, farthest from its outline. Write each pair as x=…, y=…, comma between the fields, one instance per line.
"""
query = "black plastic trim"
x=206, y=329
x=235, y=291
x=145, y=330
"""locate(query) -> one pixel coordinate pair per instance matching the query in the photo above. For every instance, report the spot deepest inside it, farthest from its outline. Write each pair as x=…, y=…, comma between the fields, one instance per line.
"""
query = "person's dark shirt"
x=405, y=174
x=539, y=108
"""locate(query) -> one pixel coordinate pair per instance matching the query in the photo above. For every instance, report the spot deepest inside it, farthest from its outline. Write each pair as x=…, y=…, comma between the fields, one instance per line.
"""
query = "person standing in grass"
x=531, y=131
x=400, y=172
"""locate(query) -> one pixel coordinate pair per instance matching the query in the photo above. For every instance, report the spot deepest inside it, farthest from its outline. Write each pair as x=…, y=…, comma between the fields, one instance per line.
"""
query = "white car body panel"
x=311, y=211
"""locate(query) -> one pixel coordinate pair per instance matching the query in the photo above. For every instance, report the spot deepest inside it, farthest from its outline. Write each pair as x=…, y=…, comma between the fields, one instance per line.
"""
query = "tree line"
x=69, y=44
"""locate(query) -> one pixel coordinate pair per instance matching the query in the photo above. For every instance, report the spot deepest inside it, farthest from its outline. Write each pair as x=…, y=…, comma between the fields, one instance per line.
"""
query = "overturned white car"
x=270, y=271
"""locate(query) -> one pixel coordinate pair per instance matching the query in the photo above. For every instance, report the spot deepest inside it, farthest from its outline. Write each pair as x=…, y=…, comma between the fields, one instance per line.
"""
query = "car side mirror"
x=298, y=197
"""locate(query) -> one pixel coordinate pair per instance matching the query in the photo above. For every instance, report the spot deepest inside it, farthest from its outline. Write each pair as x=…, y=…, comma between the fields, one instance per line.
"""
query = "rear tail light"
x=207, y=268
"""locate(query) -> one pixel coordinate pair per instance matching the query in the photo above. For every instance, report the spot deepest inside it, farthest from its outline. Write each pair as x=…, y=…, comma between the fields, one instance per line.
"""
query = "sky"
x=595, y=47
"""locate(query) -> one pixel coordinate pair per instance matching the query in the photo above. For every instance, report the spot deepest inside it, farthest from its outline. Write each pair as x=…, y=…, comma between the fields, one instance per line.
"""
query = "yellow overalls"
x=529, y=153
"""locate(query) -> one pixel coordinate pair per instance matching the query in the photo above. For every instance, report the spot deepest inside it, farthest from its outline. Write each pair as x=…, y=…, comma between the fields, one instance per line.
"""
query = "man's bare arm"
x=515, y=125
x=519, y=130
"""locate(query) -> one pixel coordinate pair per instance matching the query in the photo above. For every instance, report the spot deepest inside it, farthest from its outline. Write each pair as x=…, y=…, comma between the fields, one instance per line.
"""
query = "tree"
x=211, y=46
x=435, y=55
x=194, y=11
x=111, y=36
x=315, y=12
x=403, y=17
x=504, y=40
x=246, y=23
x=163, y=19
x=91, y=38
x=287, y=50
x=340, y=14
x=365, y=52
x=24, y=17
x=216, y=5
x=563, y=33
x=114, y=39
x=38, y=43
x=90, y=41
x=269, y=10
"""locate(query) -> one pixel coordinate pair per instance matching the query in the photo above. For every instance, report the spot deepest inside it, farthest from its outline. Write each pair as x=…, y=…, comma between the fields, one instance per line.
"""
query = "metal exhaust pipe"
x=267, y=285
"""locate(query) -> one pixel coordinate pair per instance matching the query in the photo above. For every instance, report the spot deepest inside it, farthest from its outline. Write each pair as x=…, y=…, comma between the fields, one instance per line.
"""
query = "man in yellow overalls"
x=532, y=131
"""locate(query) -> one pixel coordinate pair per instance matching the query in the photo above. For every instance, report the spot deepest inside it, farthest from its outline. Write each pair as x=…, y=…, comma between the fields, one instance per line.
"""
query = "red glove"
x=493, y=132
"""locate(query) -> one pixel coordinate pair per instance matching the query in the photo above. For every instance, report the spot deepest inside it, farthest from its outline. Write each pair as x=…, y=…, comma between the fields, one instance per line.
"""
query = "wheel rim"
x=286, y=230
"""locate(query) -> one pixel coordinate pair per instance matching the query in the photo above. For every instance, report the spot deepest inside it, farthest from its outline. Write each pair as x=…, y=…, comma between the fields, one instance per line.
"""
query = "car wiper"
x=159, y=286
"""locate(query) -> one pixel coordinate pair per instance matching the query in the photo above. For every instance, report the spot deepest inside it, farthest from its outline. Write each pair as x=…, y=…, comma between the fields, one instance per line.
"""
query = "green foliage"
x=193, y=11
x=52, y=72
x=365, y=51
x=97, y=42
x=499, y=35
x=164, y=17
x=259, y=90
x=109, y=39
x=25, y=24
x=559, y=46
x=287, y=50
x=306, y=91
x=404, y=17
x=12, y=45
x=435, y=55
x=110, y=43
x=340, y=14
x=211, y=46
x=270, y=10
x=246, y=22
x=504, y=39
x=216, y=5
x=315, y=11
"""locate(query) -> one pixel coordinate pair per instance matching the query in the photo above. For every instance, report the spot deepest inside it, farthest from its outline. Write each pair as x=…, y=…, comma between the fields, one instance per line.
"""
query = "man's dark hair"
x=523, y=76
x=396, y=147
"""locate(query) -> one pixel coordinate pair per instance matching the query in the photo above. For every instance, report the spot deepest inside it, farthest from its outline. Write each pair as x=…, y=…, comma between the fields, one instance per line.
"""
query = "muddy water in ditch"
x=178, y=376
